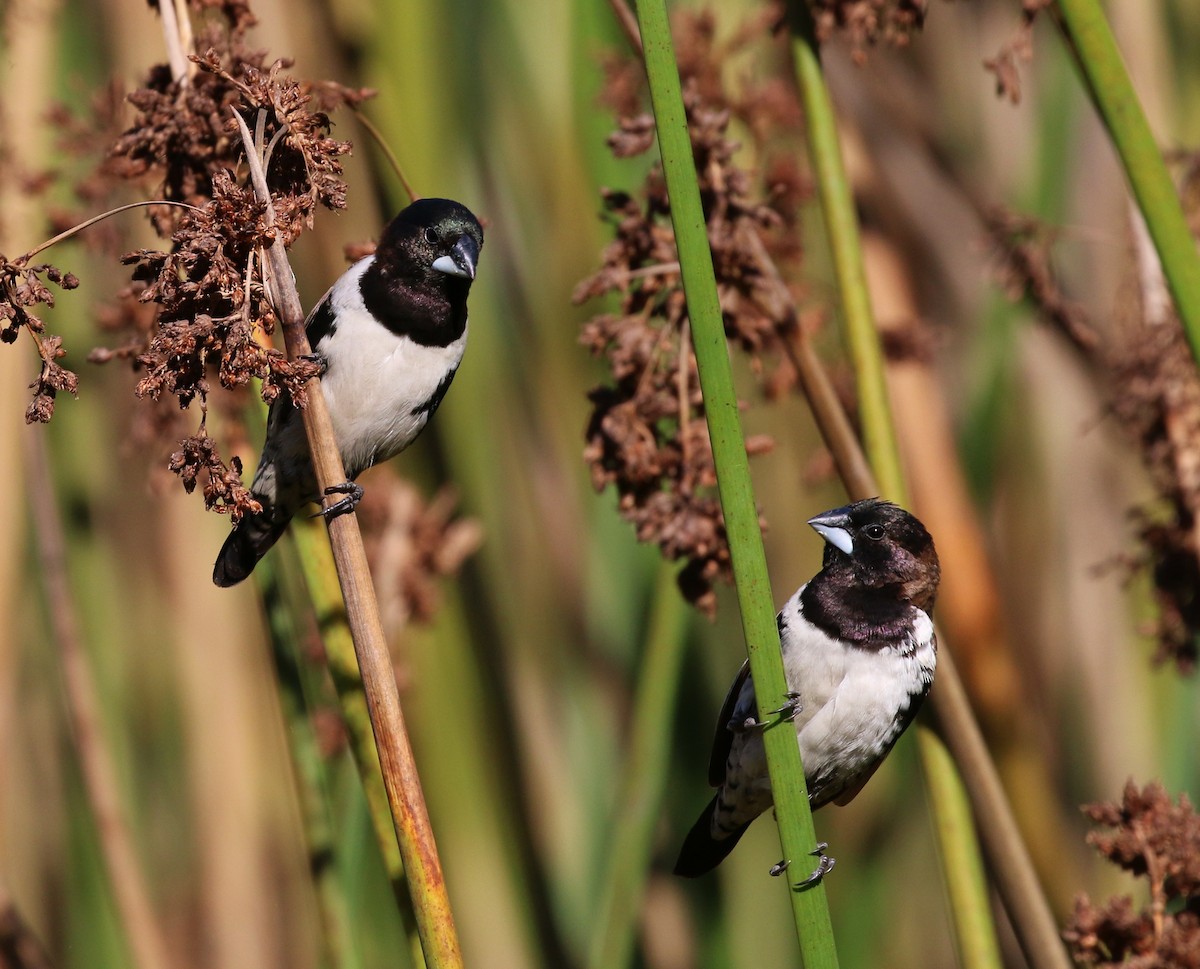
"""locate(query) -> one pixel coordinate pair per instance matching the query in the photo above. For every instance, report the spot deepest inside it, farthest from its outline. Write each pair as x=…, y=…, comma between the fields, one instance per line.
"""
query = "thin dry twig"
x=422, y=867
x=87, y=223
x=629, y=25
x=373, y=130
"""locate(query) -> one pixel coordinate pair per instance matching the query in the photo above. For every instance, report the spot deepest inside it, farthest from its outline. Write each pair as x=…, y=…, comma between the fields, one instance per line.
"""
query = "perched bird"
x=858, y=653
x=389, y=335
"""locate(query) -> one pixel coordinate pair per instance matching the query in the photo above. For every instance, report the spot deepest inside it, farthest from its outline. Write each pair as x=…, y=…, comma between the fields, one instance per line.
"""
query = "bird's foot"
x=316, y=358
x=824, y=867
x=787, y=712
x=791, y=706
x=344, y=506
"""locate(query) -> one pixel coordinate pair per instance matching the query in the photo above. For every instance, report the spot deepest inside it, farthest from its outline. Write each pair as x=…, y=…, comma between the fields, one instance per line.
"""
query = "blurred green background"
x=519, y=692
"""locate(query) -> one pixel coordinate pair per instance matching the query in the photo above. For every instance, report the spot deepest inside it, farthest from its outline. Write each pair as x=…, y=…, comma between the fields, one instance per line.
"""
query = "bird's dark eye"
x=874, y=532
x=431, y=236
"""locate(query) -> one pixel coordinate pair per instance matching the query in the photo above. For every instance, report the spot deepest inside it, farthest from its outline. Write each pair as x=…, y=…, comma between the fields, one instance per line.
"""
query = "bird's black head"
x=881, y=545
x=424, y=265
x=435, y=241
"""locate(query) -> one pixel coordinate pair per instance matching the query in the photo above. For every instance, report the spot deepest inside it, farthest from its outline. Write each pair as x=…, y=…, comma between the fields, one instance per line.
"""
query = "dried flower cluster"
x=21, y=288
x=198, y=460
x=183, y=135
x=198, y=311
x=1018, y=49
x=1022, y=249
x=1155, y=396
x=208, y=287
x=867, y=22
x=1154, y=838
x=647, y=436
x=1158, y=402
x=211, y=308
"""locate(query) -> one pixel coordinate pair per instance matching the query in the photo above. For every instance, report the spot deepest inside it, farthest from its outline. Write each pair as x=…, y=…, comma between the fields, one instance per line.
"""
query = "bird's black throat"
x=869, y=618
x=429, y=311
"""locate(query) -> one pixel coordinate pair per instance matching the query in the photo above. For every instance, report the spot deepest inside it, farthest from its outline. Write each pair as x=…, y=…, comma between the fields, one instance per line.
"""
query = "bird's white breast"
x=377, y=382
x=851, y=696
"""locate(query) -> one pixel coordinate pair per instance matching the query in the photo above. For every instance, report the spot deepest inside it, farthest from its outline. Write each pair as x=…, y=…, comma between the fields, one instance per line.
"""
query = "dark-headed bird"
x=859, y=654
x=389, y=335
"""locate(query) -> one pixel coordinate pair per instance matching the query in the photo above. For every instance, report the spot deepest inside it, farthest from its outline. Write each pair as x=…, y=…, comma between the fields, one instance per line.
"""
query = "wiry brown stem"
x=832, y=420
x=390, y=155
x=76, y=229
x=146, y=941
x=629, y=25
x=422, y=867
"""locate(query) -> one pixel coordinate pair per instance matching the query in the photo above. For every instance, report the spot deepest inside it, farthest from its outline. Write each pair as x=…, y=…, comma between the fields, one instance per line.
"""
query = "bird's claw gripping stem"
x=785, y=713
x=344, y=506
x=824, y=867
x=316, y=358
x=791, y=706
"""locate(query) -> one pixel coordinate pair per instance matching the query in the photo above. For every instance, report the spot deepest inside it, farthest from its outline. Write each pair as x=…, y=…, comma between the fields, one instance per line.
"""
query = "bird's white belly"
x=378, y=386
x=851, y=725
x=850, y=698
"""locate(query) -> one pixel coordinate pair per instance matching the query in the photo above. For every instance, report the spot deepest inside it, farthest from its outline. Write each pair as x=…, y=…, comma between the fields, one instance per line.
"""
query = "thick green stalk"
x=796, y=832
x=1111, y=90
x=644, y=784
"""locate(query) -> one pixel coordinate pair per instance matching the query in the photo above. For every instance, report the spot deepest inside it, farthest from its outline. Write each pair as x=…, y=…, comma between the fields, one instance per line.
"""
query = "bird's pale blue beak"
x=831, y=526
x=461, y=260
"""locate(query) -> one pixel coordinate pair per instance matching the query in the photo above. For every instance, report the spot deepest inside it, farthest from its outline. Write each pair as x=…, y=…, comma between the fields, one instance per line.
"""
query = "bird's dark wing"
x=736, y=709
x=320, y=322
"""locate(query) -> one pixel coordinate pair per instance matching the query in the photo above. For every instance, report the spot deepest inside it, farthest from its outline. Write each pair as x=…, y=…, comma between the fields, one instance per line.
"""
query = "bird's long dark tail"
x=701, y=852
x=246, y=544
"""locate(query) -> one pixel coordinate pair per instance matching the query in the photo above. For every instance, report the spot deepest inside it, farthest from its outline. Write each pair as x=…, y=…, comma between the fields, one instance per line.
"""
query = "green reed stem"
x=971, y=770
x=962, y=865
x=966, y=884
x=1096, y=52
x=644, y=785
x=810, y=908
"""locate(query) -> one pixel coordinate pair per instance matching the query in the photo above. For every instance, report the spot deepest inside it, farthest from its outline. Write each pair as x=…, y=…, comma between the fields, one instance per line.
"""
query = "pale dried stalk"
x=422, y=867
x=173, y=39
x=146, y=940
